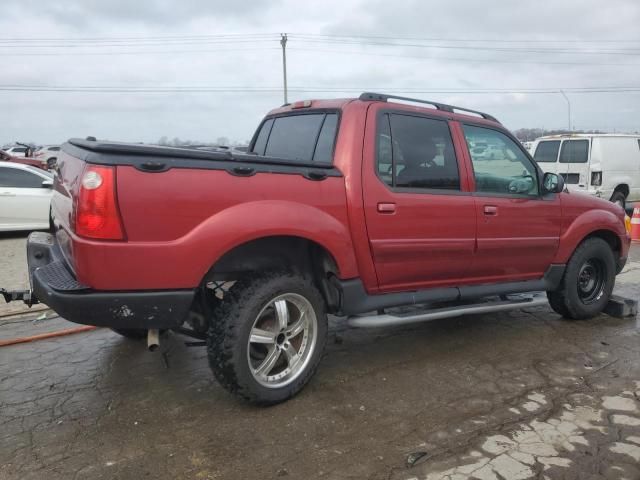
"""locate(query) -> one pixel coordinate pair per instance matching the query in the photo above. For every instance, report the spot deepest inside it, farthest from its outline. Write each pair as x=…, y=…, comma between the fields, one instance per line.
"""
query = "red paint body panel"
x=180, y=222
x=517, y=238
x=34, y=162
x=175, y=234
x=584, y=214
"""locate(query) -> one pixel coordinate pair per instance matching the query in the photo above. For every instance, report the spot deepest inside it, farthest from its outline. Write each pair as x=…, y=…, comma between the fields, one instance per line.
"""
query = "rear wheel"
x=267, y=336
x=588, y=281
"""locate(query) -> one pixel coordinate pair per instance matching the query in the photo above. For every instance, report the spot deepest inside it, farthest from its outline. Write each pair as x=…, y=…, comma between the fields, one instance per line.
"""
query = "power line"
x=475, y=40
x=306, y=89
x=461, y=59
x=137, y=44
x=133, y=53
x=318, y=35
x=379, y=41
x=574, y=51
x=141, y=39
x=320, y=50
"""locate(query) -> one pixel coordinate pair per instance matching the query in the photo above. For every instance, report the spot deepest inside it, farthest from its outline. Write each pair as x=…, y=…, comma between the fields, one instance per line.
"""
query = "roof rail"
x=382, y=97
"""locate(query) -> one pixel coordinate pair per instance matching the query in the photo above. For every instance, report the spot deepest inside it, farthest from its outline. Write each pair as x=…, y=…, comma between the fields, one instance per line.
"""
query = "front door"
x=24, y=202
x=518, y=227
x=420, y=216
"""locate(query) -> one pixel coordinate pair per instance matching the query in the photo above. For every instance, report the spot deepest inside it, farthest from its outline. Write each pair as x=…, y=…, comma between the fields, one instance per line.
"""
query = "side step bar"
x=510, y=302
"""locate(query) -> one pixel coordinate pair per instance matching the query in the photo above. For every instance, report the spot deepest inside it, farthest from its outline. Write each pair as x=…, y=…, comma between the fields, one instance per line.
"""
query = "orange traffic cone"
x=635, y=225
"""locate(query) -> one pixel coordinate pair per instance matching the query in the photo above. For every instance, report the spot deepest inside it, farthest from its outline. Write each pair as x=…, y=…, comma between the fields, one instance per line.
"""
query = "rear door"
x=419, y=213
x=24, y=202
x=573, y=163
x=518, y=228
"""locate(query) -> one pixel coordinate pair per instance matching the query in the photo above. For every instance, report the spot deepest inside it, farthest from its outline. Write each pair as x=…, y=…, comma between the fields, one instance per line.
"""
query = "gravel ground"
x=13, y=270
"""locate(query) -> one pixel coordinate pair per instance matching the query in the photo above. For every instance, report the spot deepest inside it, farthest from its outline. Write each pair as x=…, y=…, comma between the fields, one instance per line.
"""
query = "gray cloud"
x=54, y=116
x=147, y=12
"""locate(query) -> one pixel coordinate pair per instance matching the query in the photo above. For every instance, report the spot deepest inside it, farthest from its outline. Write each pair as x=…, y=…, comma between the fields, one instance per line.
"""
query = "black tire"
x=229, y=351
x=131, y=333
x=587, y=283
x=619, y=198
x=556, y=300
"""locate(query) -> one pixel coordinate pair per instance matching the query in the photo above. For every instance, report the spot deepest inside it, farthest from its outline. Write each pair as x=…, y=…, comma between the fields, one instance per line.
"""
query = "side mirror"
x=552, y=183
x=47, y=184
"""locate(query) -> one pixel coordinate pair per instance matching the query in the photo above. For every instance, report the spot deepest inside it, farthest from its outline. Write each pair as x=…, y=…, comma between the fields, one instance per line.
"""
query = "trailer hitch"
x=17, y=295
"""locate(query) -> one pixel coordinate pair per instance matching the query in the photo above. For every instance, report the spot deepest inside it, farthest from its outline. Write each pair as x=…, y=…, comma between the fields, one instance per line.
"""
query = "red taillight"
x=97, y=213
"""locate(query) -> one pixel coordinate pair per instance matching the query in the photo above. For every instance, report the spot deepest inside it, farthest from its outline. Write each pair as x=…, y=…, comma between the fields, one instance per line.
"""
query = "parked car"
x=604, y=165
x=47, y=154
x=344, y=207
x=34, y=162
x=528, y=146
x=25, y=197
x=17, y=151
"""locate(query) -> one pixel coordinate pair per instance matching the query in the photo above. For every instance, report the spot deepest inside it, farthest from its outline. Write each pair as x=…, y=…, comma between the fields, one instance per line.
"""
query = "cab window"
x=416, y=153
x=500, y=166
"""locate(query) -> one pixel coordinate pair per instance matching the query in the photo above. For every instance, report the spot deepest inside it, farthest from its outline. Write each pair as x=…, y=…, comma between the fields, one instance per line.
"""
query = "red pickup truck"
x=339, y=207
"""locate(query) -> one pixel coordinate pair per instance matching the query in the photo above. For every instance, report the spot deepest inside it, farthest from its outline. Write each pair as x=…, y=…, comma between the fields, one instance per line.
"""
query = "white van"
x=604, y=165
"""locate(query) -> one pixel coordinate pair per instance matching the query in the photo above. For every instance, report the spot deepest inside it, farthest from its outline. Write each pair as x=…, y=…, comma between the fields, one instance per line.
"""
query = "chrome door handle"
x=7, y=194
x=385, y=207
x=490, y=210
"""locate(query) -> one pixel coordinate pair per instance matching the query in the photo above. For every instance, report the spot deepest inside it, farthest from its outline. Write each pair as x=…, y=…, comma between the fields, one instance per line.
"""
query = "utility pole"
x=569, y=108
x=283, y=42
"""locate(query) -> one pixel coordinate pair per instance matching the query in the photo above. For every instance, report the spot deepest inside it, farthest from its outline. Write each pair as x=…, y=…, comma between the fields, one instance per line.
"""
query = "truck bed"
x=181, y=209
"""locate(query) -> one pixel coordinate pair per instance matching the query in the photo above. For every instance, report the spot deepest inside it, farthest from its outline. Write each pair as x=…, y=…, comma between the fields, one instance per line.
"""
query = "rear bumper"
x=54, y=284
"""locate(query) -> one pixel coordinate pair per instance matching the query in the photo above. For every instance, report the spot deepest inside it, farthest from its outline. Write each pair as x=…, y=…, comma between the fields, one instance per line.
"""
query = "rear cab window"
x=306, y=138
x=547, y=151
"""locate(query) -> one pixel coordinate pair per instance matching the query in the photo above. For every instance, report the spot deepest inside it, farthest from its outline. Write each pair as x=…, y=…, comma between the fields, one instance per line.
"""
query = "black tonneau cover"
x=156, y=158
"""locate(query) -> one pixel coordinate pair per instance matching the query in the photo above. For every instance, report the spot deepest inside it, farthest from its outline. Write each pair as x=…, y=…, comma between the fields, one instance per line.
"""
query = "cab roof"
x=452, y=110
x=563, y=136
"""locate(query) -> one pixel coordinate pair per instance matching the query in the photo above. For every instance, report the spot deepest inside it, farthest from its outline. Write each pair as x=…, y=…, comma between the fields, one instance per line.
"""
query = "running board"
x=510, y=302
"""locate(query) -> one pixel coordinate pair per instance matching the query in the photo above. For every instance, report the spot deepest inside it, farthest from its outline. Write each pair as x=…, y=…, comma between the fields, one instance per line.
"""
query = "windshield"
x=40, y=171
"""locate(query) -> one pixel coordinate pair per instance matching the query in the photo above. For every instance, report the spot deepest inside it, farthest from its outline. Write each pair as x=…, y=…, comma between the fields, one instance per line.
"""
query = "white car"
x=17, y=151
x=604, y=165
x=25, y=197
x=47, y=153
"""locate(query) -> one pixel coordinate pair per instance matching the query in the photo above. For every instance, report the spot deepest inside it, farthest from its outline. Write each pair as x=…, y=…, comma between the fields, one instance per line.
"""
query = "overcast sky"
x=159, y=44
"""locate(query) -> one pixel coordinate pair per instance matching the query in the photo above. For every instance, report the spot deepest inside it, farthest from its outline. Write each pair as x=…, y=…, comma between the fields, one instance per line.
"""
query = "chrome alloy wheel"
x=282, y=340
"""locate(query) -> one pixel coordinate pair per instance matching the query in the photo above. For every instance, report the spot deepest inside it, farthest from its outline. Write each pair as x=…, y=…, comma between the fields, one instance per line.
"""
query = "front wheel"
x=587, y=283
x=267, y=335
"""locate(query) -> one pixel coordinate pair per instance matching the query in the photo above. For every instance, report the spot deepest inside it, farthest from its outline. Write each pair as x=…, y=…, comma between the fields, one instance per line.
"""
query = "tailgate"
x=66, y=184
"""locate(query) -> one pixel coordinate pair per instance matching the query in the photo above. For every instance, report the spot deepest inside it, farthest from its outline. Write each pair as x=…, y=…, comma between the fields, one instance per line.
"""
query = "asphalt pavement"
x=513, y=395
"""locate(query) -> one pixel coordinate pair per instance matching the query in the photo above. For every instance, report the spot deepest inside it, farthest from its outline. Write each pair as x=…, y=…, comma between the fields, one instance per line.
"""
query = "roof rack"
x=382, y=97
